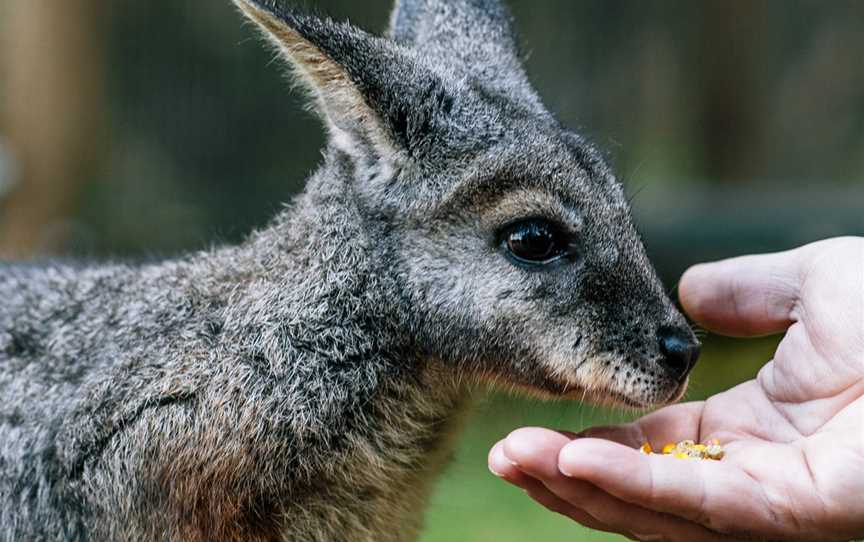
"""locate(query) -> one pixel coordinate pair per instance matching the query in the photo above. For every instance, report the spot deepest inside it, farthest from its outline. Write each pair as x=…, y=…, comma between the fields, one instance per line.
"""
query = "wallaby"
x=307, y=384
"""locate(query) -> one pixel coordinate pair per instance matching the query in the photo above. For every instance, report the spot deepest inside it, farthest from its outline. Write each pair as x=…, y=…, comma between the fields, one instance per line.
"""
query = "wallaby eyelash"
x=567, y=232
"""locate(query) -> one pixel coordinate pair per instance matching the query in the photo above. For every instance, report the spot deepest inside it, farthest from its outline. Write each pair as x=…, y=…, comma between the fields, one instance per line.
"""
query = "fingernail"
x=493, y=471
x=565, y=473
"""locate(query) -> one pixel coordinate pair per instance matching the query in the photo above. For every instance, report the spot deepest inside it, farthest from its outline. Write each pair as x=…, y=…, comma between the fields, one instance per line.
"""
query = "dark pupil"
x=532, y=241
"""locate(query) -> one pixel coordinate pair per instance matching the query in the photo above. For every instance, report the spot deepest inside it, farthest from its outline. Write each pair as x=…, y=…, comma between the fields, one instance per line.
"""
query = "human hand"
x=794, y=436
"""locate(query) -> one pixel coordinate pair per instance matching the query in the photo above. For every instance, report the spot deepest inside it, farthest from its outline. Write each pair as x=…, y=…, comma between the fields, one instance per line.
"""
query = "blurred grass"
x=471, y=505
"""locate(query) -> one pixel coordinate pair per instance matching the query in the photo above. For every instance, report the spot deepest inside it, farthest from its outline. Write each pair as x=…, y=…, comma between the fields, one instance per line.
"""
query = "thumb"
x=746, y=296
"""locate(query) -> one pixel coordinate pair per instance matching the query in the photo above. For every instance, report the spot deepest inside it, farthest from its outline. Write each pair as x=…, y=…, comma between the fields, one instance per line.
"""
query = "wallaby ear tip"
x=271, y=15
x=245, y=3
x=251, y=7
x=260, y=4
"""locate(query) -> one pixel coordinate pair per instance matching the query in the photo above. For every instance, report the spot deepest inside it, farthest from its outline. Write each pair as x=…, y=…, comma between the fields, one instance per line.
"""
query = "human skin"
x=794, y=436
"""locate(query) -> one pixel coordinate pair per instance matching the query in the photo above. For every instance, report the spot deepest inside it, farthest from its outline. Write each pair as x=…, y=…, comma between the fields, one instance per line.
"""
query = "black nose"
x=679, y=351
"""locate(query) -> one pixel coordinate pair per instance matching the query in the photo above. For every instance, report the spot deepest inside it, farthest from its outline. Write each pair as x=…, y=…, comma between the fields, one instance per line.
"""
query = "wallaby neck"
x=316, y=315
x=314, y=283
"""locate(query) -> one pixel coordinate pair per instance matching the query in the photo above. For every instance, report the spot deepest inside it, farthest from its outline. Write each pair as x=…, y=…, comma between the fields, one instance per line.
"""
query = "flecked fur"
x=307, y=384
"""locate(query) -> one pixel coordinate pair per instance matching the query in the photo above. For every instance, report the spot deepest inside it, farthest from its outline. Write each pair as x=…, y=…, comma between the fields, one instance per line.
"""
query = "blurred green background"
x=144, y=129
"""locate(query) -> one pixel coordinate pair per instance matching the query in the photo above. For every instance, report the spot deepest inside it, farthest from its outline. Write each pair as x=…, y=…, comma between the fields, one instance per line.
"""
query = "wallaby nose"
x=679, y=351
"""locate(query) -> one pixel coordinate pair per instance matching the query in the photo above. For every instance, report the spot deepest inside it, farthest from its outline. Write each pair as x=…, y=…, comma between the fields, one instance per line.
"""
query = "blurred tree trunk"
x=733, y=43
x=51, y=115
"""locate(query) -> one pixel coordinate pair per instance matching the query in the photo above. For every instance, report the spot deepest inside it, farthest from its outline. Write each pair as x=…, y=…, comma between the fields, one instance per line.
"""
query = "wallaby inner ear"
x=371, y=93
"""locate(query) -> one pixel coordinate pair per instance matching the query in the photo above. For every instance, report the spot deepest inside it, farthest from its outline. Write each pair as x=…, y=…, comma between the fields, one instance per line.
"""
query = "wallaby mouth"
x=615, y=378
x=603, y=389
x=605, y=396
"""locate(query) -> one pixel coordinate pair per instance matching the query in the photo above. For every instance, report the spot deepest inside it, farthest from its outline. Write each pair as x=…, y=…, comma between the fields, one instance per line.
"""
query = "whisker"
x=632, y=196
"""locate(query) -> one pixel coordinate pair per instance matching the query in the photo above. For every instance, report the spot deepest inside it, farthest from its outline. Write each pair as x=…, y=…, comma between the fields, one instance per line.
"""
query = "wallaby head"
x=510, y=238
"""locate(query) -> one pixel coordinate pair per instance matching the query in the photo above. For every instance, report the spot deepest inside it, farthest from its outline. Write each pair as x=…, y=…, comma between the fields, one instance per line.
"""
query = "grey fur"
x=307, y=384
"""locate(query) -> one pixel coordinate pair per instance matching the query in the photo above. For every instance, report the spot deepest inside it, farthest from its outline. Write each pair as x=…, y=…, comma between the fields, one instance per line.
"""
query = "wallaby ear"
x=371, y=93
x=477, y=23
x=475, y=37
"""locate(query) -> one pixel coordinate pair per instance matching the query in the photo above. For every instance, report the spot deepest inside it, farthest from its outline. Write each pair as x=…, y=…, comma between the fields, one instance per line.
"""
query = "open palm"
x=794, y=436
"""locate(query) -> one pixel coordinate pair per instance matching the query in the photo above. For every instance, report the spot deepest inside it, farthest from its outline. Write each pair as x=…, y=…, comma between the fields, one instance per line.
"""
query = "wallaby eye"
x=534, y=242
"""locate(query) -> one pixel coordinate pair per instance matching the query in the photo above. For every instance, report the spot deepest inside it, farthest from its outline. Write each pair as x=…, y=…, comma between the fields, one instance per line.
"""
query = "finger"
x=554, y=504
x=710, y=493
x=667, y=425
x=628, y=434
x=504, y=469
x=535, y=452
x=746, y=296
x=533, y=447
x=671, y=424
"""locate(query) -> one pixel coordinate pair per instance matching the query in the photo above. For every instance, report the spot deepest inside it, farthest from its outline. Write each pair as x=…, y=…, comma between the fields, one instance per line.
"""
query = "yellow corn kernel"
x=687, y=449
x=714, y=452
